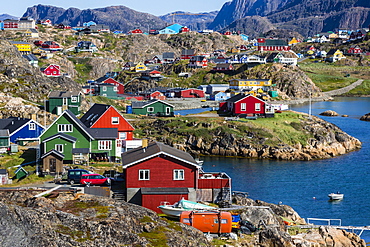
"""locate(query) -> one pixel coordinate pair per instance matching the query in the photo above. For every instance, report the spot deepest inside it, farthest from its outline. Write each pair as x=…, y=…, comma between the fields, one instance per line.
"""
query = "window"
x=59, y=148
x=65, y=101
x=257, y=106
x=65, y=128
x=115, y=120
x=104, y=95
x=115, y=89
x=104, y=88
x=243, y=106
x=144, y=174
x=122, y=135
x=150, y=109
x=32, y=126
x=105, y=145
x=74, y=99
x=178, y=175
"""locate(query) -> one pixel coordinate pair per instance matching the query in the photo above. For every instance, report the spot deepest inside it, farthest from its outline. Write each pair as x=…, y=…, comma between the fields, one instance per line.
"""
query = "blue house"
x=219, y=96
x=244, y=37
x=173, y=29
x=88, y=24
x=21, y=130
x=1, y=25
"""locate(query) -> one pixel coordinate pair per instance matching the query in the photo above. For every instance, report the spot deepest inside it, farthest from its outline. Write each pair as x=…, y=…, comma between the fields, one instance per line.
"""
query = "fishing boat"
x=336, y=196
x=181, y=206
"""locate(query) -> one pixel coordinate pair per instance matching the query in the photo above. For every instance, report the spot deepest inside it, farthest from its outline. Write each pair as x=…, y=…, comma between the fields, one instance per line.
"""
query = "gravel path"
x=326, y=95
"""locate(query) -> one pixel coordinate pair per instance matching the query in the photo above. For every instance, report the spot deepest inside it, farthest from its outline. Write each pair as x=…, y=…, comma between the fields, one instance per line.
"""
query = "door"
x=168, y=110
x=53, y=165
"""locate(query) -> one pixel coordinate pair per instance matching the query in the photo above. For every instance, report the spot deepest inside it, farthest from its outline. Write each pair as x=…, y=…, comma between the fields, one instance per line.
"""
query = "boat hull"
x=334, y=196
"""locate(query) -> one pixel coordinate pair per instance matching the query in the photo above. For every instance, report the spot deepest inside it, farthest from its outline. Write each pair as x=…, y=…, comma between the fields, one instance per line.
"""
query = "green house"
x=108, y=90
x=60, y=101
x=4, y=138
x=153, y=107
x=68, y=136
x=20, y=173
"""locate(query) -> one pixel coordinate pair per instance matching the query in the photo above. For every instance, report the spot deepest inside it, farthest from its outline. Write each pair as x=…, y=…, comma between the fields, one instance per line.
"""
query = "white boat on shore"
x=336, y=196
x=181, y=206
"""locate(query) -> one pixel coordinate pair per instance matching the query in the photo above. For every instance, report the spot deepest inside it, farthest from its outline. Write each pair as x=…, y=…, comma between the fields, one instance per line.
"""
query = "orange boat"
x=208, y=221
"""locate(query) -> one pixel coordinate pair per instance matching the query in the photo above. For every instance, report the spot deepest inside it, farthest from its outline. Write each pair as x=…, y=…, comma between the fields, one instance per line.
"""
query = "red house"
x=224, y=67
x=227, y=33
x=272, y=45
x=354, y=49
x=248, y=105
x=106, y=116
x=136, y=31
x=52, y=70
x=189, y=93
x=198, y=62
x=184, y=30
x=158, y=173
x=119, y=85
x=187, y=54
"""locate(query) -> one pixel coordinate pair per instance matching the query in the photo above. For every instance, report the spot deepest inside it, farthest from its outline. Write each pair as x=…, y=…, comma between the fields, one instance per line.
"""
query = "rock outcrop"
x=329, y=113
x=365, y=117
x=271, y=230
x=218, y=137
x=85, y=220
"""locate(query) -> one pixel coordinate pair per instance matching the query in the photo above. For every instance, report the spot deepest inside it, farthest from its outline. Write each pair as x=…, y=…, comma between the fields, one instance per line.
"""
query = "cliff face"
x=86, y=221
x=307, y=17
x=116, y=17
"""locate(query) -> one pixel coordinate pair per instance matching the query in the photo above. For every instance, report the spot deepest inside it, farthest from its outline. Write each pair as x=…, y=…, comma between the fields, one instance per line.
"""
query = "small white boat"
x=181, y=206
x=336, y=196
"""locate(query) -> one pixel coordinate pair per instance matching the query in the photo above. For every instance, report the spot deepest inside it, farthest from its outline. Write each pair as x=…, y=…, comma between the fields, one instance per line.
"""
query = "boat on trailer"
x=336, y=196
x=183, y=205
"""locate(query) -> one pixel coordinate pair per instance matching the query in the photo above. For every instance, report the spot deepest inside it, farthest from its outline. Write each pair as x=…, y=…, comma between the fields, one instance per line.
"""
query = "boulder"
x=365, y=117
x=329, y=113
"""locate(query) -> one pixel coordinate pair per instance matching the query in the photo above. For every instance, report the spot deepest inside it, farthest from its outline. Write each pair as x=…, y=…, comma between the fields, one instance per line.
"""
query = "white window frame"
x=115, y=120
x=104, y=88
x=59, y=148
x=105, y=145
x=31, y=126
x=65, y=128
x=115, y=89
x=257, y=106
x=74, y=99
x=65, y=101
x=243, y=106
x=144, y=174
x=122, y=135
x=178, y=174
x=150, y=109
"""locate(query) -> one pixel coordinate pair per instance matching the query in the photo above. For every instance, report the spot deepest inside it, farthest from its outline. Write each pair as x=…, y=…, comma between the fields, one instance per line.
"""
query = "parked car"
x=94, y=179
x=74, y=175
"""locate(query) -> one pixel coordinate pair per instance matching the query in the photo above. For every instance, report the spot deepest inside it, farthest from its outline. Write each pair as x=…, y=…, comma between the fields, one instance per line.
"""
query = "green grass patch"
x=76, y=207
x=157, y=237
x=329, y=76
x=363, y=89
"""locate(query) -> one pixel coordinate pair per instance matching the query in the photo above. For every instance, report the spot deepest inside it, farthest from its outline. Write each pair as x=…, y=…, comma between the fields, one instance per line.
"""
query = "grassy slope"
x=285, y=128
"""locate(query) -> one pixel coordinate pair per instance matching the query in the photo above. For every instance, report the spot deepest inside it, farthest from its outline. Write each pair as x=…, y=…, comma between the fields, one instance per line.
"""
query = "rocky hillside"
x=304, y=16
x=85, y=220
x=18, y=78
x=288, y=136
x=116, y=17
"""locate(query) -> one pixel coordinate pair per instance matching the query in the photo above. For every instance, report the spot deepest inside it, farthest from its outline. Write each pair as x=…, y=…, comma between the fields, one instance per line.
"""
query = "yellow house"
x=333, y=36
x=23, y=47
x=140, y=67
x=293, y=41
x=250, y=84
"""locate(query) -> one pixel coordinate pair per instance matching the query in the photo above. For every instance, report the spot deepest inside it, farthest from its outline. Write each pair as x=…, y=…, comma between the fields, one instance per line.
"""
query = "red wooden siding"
x=105, y=121
x=153, y=201
x=213, y=183
x=161, y=174
x=250, y=106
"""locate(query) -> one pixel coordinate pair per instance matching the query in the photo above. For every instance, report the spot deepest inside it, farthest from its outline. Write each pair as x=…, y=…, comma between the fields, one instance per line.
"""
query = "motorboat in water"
x=336, y=196
x=181, y=206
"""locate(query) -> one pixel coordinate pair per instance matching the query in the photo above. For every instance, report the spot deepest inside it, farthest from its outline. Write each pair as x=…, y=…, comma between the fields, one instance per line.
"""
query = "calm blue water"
x=297, y=183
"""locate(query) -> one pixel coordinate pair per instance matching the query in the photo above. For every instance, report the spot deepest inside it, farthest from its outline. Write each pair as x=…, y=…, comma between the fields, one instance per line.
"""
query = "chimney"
x=144, y=143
